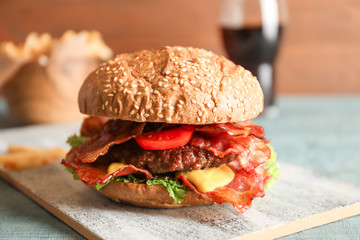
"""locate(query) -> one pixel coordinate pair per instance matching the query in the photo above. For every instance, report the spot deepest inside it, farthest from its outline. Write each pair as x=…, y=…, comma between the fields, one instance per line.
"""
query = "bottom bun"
x=143, y=195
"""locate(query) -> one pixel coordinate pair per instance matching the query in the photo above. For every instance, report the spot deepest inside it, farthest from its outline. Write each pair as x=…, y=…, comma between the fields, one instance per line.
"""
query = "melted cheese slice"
x=114, y=167
x=208, y=179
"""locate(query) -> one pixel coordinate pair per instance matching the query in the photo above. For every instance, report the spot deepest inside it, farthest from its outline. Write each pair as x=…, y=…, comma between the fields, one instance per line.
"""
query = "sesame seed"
x=132, y=112
x=179, y=106
x=115, y=110
x=103, y=107
x=136, y=106
x=105, y=90
x=200, y=113
x=181, y=101
x=110, y=94
x=110, y=108
x=146, y=115
x=193, y=101
x=159, y=84
x=193, y=82
x=214, y=109
x=160, y=115
x=168, y=118
x=198, y=119
x=171, y=107
x=106, y=103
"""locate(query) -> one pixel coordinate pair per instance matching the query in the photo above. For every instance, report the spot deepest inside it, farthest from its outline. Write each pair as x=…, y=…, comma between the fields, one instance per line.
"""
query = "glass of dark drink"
x=251, y=32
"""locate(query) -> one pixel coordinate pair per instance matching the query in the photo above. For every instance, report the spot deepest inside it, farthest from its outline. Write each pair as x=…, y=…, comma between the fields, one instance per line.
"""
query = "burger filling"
x=228, y=162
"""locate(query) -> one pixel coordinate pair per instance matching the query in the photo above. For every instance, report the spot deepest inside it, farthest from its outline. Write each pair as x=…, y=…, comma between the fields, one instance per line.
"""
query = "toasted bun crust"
x=174, y=85
x=143, y=195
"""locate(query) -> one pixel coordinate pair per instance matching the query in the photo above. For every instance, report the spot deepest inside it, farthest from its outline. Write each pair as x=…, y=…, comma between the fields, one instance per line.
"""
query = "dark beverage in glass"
x=252, y=49
x=251, y=32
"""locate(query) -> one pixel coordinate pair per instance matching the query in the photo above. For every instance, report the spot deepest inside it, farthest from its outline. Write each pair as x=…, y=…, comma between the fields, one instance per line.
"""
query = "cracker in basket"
x=21, y=157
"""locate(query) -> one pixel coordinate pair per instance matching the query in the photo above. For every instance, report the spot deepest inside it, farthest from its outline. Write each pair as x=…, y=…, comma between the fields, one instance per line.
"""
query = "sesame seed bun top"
x=180, y=85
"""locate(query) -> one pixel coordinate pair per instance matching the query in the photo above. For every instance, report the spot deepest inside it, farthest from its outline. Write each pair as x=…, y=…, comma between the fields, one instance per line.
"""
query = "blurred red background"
x=320, y=51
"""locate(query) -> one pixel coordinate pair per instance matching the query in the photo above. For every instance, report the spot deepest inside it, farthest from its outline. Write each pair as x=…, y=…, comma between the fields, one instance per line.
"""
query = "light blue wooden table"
x=318, y=133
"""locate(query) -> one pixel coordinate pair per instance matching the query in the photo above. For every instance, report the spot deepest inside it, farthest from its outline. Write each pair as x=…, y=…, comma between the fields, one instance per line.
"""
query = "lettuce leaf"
x=75, y=140
x=126, y=179
x=175, y=189
x=272, y=168
x=73, y=172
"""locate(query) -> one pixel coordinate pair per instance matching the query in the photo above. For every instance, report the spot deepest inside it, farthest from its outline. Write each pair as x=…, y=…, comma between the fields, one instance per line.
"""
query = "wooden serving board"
x=300, y=200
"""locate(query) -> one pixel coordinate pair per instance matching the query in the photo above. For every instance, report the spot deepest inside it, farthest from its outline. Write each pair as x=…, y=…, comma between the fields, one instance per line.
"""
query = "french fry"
x=20, y=148
x=22, y=157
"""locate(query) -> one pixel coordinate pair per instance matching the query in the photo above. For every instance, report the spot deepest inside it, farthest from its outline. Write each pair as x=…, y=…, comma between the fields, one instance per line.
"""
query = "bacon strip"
x=92, y=125
x=244, y=129
x=113, y=132
x=244, y=139
x=239, y=192
x=252, y=152
x=92, y=175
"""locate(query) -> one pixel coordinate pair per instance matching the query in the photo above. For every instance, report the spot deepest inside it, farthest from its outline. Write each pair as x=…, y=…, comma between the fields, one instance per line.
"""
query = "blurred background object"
x=40, y=79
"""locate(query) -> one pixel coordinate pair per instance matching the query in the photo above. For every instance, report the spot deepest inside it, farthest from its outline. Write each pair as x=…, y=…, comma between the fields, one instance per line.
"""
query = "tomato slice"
x=166, y=139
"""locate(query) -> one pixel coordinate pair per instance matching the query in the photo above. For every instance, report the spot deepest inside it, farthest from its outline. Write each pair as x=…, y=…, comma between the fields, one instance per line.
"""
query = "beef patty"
x=185, y=158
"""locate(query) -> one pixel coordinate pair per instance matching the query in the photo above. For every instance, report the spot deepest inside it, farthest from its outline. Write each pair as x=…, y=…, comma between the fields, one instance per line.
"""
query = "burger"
x=170, y=128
